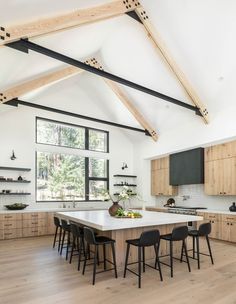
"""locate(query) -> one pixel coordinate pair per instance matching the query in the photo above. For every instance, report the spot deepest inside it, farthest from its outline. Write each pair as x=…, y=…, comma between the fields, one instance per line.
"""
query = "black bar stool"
x=178, y=234
x=77, y=242
x=147, y=239
x=58, y=226
x=204, y=230
x=66, y=232
x=91, y=239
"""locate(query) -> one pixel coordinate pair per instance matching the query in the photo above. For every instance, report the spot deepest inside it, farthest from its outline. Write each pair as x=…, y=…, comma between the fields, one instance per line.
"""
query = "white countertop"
x=101, y=219
x=29, y=210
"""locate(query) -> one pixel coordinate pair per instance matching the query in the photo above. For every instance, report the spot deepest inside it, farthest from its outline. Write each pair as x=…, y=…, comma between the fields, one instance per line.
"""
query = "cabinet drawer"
x=211, y=216
x=34, y=231
x=34, y=215
x=6, y=225
x=11, y=217
x=35, y=222
x=228, y=218
x=12, y=234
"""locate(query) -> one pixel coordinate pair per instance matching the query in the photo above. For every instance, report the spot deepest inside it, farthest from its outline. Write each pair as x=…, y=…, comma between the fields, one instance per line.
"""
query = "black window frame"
x=87, y=177
x=86, y=145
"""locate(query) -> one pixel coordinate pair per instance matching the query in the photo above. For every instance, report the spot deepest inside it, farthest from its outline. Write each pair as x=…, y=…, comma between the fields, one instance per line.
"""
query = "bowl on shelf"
x=17, y=206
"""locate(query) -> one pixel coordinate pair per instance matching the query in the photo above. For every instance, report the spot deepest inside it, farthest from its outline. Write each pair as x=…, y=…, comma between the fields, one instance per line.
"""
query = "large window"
x=67, y=177
x=50, y=132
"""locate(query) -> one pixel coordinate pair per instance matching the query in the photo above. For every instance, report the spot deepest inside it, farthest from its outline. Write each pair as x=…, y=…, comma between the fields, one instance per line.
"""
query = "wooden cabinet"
x=223, y=226
x=26, y=224
x=220, y=169
x=160, y=178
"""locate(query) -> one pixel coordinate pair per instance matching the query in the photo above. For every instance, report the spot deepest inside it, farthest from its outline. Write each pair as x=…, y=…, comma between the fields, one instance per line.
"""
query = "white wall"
x=17, y=131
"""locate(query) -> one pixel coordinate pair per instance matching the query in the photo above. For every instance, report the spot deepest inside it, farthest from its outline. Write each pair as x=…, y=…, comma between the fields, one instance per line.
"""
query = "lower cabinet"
x=223, y=227
x=26, y=224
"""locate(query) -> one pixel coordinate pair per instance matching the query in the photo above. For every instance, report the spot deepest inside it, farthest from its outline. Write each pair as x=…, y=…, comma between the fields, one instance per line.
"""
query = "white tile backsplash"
x=194, y=196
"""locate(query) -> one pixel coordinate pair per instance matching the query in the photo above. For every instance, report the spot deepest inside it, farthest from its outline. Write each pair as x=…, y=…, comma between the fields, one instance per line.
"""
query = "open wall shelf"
x=123, y=175
x=121, y=185
x=15, y=193
x=15, y=181
x=15, y=169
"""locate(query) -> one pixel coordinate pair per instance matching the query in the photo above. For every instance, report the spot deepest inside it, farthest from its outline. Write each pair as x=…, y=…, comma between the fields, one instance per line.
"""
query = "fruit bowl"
x=16, y=206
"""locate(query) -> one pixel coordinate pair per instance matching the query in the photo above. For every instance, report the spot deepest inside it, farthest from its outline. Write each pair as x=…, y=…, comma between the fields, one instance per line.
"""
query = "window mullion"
x=87, y=178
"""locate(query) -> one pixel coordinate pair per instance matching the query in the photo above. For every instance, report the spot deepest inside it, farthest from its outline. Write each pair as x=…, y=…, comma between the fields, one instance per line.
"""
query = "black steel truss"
x=15, y=102
x=24, y=45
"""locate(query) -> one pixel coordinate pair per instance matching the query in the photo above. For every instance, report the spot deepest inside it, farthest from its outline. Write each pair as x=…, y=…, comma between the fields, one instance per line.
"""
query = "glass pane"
x=97, y=140
x=97, y=167
x=96, y=189
x=53, y=133
x=60, y=177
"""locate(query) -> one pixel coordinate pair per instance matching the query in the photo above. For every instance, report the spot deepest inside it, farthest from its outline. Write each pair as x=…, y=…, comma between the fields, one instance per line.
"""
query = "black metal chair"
x=66, y=233
x=178, y=234
x=203, y=231
x=58, y=226
x=77, y=242
x=91, y=239
x=147, y=239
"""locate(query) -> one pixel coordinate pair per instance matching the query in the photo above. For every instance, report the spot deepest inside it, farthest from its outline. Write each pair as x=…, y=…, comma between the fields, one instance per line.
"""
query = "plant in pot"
x=116, y=198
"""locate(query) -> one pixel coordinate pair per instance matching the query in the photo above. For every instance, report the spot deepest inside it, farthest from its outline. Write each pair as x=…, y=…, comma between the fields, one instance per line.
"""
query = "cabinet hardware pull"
x=231, y=224
x=227, y=223
x=6, y=225
x=8, y=216
x=7, y=233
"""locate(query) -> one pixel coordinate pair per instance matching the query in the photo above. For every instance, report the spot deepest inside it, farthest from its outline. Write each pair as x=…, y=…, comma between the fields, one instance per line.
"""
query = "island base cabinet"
x=228, y=231
x=120, y=236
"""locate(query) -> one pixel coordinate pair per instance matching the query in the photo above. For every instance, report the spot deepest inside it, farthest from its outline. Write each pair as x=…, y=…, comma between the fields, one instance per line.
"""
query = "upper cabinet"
x=220, y=169
x=160, y=177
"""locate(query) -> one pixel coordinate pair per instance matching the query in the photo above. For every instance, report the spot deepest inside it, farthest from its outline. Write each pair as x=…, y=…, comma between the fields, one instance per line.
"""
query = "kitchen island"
x=121, y=229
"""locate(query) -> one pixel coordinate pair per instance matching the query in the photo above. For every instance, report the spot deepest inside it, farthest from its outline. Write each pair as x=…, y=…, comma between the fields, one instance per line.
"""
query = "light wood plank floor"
x=32, y=272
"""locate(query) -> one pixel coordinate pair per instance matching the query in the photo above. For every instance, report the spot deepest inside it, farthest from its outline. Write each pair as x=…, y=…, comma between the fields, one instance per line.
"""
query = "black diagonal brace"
x=15, y=102
x=47, y=52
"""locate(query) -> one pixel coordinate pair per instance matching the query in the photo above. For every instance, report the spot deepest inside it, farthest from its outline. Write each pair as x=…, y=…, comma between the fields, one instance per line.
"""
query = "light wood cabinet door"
x=215, y=229
x=226, y=150
x=220, y=177
x=160, y=177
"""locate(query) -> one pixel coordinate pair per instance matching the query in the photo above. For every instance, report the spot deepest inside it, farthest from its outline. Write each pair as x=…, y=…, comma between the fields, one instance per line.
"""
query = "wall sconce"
x=13, y=157
x=124, y=166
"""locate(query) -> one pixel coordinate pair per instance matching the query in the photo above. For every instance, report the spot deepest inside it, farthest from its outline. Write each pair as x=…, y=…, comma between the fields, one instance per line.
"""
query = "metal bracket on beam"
x=19, y=46
x=135, y=16
x=147, y=133
x=13, y=102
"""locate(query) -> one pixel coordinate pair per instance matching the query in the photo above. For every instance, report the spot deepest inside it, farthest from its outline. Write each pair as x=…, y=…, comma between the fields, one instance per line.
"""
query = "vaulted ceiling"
x=200, y=35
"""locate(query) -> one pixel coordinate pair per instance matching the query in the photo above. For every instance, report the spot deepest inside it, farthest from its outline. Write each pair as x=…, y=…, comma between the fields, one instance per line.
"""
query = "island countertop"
x=101, y=219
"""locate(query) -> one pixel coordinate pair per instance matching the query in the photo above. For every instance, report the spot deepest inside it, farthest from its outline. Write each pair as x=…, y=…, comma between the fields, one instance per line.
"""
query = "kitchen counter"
x=29, y=210
x=101, y=219
x=217, y=211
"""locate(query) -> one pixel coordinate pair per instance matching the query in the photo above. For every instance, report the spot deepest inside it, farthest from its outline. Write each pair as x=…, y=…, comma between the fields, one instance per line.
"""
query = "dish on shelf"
x=16, y=206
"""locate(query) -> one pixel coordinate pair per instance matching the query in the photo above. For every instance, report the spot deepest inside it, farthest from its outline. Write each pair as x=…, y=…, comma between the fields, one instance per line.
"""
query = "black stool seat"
x=147, y=239
x=178, y=234
x=100, y=240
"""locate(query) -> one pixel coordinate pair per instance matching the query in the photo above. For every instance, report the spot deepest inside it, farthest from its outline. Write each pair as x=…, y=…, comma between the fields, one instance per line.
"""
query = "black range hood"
x=187, y=167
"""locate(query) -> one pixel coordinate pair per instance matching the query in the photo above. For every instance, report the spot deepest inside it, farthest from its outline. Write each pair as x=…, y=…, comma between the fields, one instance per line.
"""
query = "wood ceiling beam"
x=28, y=86
x=65, y=21
x=125, y=101
x=161, y=48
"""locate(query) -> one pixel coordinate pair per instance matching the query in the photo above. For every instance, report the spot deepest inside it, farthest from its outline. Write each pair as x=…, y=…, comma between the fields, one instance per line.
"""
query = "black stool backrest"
x=57, y=221
x=204, y=229
x=89, y=236
x=64, y=225
x=149, y=238
x=75, y=229
x=180, y=233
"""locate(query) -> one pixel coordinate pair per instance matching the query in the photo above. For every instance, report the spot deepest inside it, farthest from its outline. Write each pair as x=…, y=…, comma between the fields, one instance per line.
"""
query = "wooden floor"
x=32, y=272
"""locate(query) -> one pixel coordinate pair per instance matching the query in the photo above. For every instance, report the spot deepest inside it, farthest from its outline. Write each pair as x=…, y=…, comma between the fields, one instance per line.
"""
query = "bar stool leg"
x=171, y=259
x=158, y=261
x=63, y=239
x=193, y=247
x=72, y=249
x=139, y=267
x=114, y=258
x=143, y=259
x=55, y=237
x=186, y=253
x=182, y=253
x=68, y=244
x=95, y=263
x=85, y=261
x=126, y=258
x=209, y=248
x=104, y=256
x=198, y=255
x=59, y=243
